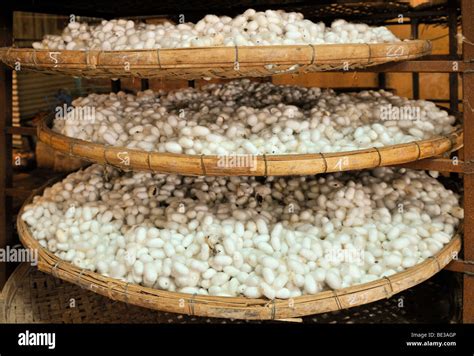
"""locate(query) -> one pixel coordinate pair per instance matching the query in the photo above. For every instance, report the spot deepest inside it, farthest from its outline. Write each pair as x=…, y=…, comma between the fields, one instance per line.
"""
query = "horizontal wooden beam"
x=435, y=164
x=18, y=192
x=25, y=131
x=460, y=266
x=425, y=65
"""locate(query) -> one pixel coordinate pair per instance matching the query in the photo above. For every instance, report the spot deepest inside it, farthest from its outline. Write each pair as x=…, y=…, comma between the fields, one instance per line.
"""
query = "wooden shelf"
x=436, y=164
x=429, y=64
x=25, y=131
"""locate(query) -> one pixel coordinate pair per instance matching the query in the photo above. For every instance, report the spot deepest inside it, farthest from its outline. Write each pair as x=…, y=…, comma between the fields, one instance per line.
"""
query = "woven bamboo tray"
x=213, y=62
x=235, y=307
x=31, y=296
x=262, y=165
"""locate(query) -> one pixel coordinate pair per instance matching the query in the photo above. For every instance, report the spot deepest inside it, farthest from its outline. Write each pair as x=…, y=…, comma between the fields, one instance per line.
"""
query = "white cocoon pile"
x=248, y=29
x=245, y=236
x=245, y=117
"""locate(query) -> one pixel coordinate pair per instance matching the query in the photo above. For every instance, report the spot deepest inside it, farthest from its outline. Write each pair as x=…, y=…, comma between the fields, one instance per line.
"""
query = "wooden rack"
x=456, y=66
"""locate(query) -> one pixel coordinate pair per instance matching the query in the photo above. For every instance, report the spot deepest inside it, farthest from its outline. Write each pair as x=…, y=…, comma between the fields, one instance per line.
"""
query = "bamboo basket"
x=213, y=62
x=235, y=307
x=30, y=296
x=261, y=165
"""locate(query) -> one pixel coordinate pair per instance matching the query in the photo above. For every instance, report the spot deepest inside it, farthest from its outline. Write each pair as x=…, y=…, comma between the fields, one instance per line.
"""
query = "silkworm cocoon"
x=223, y=260
x=200, y=131
x=229, y=246
x=333, y=280
x=155, y=243
x=280, y=281
x=267, y=290
x=400, y=243
x=392, y=260
x=252, y=292
x=270, y=262
x=268, y=275
x=180, y=268
x=296, y=266
x=173, y=147
x=116, y=270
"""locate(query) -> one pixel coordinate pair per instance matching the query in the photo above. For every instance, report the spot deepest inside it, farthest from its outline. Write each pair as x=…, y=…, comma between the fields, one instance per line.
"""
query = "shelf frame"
x=452, y=64
x=468, y=100
x=6, y=169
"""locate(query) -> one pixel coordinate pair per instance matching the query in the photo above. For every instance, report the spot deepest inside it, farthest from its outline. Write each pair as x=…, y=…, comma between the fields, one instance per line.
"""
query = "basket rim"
x=235, y=307
x=263, y=165
x=214, y=62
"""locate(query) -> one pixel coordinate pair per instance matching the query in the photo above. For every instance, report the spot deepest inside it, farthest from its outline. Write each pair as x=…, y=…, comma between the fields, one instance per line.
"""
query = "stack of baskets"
x=222, y=62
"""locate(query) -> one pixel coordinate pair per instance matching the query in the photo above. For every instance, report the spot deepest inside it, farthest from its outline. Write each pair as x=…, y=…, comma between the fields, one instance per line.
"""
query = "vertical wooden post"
x=415, y=77
x=453, y=51
x=6, y=171
x=468, y=101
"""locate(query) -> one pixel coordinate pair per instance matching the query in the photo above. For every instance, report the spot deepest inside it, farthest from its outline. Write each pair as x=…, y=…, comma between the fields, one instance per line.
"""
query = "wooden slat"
x=424, y=65
x=436, y=164
x=18, y=192
x=25, y=131
x=460, y=266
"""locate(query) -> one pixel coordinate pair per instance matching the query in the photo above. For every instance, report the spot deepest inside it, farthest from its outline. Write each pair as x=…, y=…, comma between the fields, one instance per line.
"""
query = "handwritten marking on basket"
x=395, y=51
x=124, y=158
x=342, y=162
x=52, y=56
x=236, y=62
x=361, y=298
